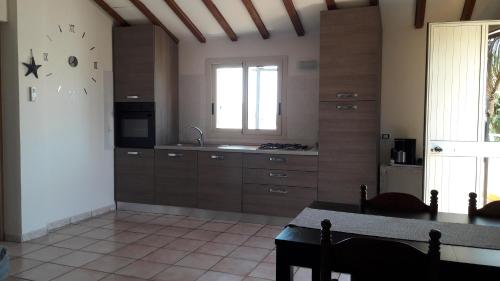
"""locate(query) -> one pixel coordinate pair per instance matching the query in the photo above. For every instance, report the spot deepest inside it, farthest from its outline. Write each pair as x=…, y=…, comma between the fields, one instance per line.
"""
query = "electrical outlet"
x=33, y=94
x=386, y=136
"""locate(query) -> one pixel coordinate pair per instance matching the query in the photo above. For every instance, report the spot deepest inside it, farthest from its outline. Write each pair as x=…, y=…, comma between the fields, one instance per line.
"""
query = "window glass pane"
x=262, y=97
x=492, y=179
x=229, y=97
x=493, y=85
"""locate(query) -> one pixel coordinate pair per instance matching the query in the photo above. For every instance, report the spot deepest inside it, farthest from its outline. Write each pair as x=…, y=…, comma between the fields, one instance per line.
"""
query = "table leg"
x=284, y=271
x=315, y=274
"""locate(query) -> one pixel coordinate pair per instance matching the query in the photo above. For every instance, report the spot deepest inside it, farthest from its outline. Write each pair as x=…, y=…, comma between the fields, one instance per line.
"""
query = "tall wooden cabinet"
x=349, y=125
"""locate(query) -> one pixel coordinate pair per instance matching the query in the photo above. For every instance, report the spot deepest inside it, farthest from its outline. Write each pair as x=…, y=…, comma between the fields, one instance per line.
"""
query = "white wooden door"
x=454, y=123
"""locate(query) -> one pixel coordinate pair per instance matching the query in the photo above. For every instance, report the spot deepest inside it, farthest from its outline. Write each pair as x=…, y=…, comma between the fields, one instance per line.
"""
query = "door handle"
x=277, y=159
x=132, y=97
x=347, y=107
x=217, y=157
x=133, y=153
x=437, y=149
x=278, y=190
x=346, y=95
x=278, y=175
x=175, y=155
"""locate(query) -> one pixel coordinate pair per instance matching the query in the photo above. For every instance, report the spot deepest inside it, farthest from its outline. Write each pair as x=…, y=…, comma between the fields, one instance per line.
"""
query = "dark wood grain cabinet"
x=220, y=181
x=134, y=175
x=176, y=178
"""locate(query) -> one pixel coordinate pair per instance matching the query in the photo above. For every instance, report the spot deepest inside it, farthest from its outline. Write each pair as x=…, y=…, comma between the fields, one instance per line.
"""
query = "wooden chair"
x=377, y=259
x=491, y=209
x=398, y=202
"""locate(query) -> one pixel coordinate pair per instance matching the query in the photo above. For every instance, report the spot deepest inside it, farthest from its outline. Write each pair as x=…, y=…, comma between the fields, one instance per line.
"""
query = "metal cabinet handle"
x=133, y=153
x=175, y=155
x=278, y=190
x=132, y=97
x=347, y=107
x=217, y=157
x=346, y=95
x=437, y=149
x=278, y=175
x=277, y=159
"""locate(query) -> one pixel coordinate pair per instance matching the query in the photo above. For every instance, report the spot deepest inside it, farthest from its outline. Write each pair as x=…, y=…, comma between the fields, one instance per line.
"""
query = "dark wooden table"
x=298, y=246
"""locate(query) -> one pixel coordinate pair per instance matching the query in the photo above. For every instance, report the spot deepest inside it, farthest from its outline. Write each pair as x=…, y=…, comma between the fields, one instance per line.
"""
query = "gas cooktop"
x=283, y=146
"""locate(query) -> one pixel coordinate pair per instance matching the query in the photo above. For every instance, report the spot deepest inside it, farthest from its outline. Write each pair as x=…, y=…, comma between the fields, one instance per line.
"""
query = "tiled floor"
x=133, y=246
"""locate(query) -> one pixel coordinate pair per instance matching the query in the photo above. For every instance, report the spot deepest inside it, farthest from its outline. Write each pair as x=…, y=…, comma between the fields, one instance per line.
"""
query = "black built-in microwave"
x=135, y=124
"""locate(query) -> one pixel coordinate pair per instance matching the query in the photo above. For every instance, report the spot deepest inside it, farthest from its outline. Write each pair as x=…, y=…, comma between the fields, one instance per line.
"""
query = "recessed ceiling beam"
x=112, y=12
x=220, y=19
x=256, y=18
x=330, y=4
x=152, y=18
x=468, y=9
x=186, y=20
x=294, y=17
x=420, y=13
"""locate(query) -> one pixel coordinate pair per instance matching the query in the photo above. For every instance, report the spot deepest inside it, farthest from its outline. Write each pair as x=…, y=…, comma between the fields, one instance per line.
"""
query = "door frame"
x=2, y=205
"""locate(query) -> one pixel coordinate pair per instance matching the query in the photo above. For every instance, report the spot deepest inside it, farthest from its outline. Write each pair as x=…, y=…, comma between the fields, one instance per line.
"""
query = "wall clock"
x=71, y=60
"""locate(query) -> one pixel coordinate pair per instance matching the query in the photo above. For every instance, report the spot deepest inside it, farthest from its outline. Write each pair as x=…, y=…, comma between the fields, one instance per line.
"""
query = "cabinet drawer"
x=134, y=175
x=219, y=188
x=280, y=177
x=281, y=162
x=219, y=159
x=174, y=161
x=276, y=200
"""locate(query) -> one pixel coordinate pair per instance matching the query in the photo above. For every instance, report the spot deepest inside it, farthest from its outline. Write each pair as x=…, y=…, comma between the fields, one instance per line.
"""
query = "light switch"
x=33, y=94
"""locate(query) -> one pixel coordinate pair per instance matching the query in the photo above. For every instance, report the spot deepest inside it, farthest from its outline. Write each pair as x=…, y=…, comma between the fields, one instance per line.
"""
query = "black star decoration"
x=32, y=66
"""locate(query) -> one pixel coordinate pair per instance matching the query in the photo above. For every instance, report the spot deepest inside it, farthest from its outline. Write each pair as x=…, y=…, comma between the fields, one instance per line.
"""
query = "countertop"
x=237, y=148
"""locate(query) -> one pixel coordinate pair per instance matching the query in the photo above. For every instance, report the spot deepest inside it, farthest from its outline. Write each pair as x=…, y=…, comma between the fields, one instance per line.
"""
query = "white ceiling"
x=272, y=12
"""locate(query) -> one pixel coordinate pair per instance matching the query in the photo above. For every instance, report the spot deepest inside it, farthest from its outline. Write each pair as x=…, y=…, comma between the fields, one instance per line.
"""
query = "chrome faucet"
x=201, y=139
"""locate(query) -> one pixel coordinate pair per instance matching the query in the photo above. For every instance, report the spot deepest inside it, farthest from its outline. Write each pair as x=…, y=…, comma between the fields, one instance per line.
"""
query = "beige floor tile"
x=74, y=229
x=219, y=276
x=217, y=249
x=96, y=222
x=269, y=231
x=76, y=259
x=45, y=272
x=200, y=234
x=235, y=266
x=76, y=243
x=200, y=261
x=142, y=269
x=81, y=275
x=167, y=256
x=146, y=228
x=173, y=231
x=116, y=215
x=216, y=226
x=185, y=244
x=126, y=237
x=100, y=233
x=155, y=240
x=255, y=279
x=21, y=249
x=265, y=271
x=189, y=223
x=250, y=253
x=142, y=218
x=260, y=242
x=231, y=238
x=48, y=253
x=166, y=220
x=109, y=264
x=179, y=273
x=134, y=251
x=245, y=228
x=271, y=258
x=18, y=265
x=120, y=225
x=104, y=247
x=51, y=238
x=116, y=277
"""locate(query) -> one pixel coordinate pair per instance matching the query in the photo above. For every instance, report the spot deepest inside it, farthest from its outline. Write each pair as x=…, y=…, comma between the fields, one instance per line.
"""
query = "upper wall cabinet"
x=350, y=54
x=145, y=64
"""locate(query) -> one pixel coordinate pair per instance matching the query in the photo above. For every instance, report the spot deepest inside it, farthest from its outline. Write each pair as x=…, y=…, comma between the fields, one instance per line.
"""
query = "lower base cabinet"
x=275, y=200
x=134, y=175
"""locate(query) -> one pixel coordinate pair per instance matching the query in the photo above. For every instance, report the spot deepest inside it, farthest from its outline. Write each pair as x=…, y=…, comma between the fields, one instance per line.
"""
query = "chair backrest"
x=378, y=259
x=397, y=202
x=491, y=209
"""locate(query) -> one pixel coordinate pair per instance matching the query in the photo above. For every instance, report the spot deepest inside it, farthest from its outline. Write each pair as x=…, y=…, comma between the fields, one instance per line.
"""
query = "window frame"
x=244, y=132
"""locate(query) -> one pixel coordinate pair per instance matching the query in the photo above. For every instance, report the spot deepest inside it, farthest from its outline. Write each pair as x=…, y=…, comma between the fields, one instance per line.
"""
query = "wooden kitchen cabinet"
x=134, y=175
x=176, y=178
x=220, y=181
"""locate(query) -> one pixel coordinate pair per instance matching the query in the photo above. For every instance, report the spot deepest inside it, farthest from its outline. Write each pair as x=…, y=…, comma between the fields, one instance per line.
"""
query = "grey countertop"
x=236, y=148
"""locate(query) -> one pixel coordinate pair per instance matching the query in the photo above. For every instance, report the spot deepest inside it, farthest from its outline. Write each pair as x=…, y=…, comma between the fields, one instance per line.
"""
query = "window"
x=246, y=96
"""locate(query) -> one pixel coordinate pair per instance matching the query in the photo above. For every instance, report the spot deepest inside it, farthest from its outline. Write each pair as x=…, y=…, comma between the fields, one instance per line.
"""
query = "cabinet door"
x=133, y=59
x=134, y=178
x=350, y=54
x=176, y=177
x=220, y=181
x=281, y=162
x=348, y=150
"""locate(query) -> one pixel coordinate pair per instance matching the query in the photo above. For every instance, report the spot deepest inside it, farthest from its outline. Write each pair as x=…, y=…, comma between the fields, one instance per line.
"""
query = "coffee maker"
x=404, y=152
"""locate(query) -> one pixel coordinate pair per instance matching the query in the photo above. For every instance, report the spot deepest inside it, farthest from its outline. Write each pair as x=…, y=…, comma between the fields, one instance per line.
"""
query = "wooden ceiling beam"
x=152, y=18
x=294, y=17
x=256, y=18
x=330, y=4
x=186, y=20
x=121, y=21
x=220, y=19
x=468, y=9
x=420, y=13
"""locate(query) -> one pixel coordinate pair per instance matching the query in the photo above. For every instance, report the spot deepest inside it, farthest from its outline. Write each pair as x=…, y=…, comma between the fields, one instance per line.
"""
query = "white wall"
x=301, y=88
x=65, y=157
x=3, y=10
